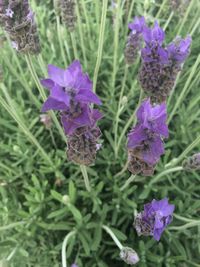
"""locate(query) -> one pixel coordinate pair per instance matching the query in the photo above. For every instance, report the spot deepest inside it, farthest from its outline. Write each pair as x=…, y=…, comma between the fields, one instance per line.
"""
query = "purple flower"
x=154, y=219
x=137, y=25
x=155, y=36
x=134, y=42
x=145, y=144
x=87, y=117
x=179, y=50
x=67, y=86
x=153, y=118
x=74, y=265
x=161, y=64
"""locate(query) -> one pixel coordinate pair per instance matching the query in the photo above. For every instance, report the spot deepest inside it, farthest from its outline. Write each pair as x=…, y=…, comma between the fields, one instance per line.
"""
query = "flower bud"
x=192, y=163
x=66, y=199
x=68, y=13
x=129, y=256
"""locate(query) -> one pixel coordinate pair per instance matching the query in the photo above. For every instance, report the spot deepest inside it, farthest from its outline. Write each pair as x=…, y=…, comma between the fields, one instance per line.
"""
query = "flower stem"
x=64, y=245
x=60, y=40
x=132, y=119
x=85, y=176
x=101, y=41
x=130, y=180
x=113, y=236
x=119, y=104
x=116, y=46
x=165, y=172
x=183, y=92
x=42, y=94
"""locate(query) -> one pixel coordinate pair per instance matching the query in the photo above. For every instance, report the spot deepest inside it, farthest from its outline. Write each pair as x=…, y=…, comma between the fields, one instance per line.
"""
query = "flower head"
x=155, y=36
x=74, y=265
x=192, y=163
x=179, y=49
x=145, y=144
x=153, y=118
x=67, y=87
x=157, y=215
x=129, y=256
x=134, y=42
x=137, y=25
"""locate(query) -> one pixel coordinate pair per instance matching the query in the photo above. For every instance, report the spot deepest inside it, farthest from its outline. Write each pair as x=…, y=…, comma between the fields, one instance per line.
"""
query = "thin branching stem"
x=85, y=176
x=113, y=236
x=101, y=41
x=64, y=245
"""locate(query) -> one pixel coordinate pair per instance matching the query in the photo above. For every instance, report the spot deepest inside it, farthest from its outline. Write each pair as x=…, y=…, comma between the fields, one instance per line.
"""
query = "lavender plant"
x=52, y=209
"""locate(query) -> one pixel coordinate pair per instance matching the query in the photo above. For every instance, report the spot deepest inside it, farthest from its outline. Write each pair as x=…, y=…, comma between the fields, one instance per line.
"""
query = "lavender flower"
x=68, y=88
x=83, y=143
x=74, y=265
x=192, y=163
x=68, y=13
x=145, y=144
x=71, y=94
x=154, y=219
x=134, y=42
x=18, y=21
x=160, y=65
x=129, y=256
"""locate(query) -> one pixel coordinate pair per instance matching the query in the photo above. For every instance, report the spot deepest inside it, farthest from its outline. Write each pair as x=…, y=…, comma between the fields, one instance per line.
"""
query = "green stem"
x=25, y=130
x=101, y=41
x=64, y=245
x=11, y=226
x=81, y=35
x=123, y=170
x=183, y=91
x=168, y=21
x=42, y=64
x=11, y=254
x=185, y=17
x=130, y=121
x=85, y=176
x=60, y=39
x=74, y=45
x=161, y=9
x=42, y=94
x=130, y=180
x=165, y=172
x=114, y=238
x=116, y=46
x=119, y=103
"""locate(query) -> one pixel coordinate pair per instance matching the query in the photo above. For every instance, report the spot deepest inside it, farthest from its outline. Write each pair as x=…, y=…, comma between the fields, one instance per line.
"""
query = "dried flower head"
x=157, y=215
x=18, y=21
x=145, y=144
x=134, y=43
x=129, y=256
x=68, y=13
x=160, y=65
x=192, y=163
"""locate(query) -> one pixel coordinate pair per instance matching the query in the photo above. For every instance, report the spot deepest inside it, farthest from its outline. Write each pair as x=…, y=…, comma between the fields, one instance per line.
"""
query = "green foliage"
x=43, y=196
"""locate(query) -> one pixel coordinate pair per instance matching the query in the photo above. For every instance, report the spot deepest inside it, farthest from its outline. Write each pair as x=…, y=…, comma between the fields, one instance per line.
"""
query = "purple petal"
x=53, y=104
x=59, y=94
x=59, y=76
x=86, y=96
x=48, y=83
x=136, y=136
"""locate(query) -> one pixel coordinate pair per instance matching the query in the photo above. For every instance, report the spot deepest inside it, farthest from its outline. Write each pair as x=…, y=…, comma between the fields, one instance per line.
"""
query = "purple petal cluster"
x=145, y=140
x=129, y=256
x=71, y=94
x=134, y=43
x=157, y=215
x=18, y=21
x=161, y=64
